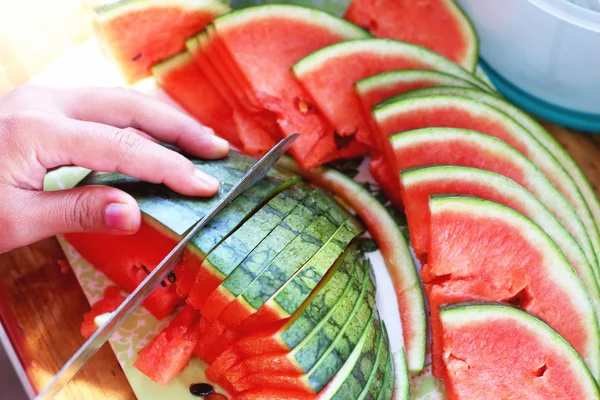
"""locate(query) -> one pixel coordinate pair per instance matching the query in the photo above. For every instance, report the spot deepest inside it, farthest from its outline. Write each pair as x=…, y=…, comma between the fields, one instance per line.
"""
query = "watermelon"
x=388, y=390
x=264, y=42
x=329, y=74
x=170, y=351
x=110, y=302
x=395, y=251
x=460, y=112
x=538, y=131
x=439, y=25
x=420, y=183
x=184, y=82
x=137, y=34
x=374, y=385
x=495, y=351
x=481, y=250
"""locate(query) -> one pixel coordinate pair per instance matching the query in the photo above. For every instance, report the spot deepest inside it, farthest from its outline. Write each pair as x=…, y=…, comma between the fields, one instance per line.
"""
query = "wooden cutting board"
x=41, y=303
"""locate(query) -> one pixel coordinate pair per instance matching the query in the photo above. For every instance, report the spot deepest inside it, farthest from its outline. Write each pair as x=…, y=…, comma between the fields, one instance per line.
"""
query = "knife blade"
x=164, y=268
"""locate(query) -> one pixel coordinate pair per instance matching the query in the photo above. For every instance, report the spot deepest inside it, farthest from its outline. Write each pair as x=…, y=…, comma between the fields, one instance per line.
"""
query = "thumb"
x=86, y=209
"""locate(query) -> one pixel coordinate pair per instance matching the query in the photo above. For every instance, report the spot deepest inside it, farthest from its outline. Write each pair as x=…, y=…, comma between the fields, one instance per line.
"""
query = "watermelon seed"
x=171, y=277
x=137, y=57
x=304, y=106
x=201, y=389
x=145, y=269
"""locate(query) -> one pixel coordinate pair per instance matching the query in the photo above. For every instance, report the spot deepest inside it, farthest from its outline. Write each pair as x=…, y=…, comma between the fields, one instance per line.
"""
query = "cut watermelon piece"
x=329, y=74
x=395, y=251
x=110, y=302
x=482, y=250
x=138, y=34
x=374, y=385
x=172, y=349
x=390, y=386
x=185, y=83
x=538, y=131
x=461, y=112
x=439, y=25
x=420, y=184
x=495, y=351
x=264, y=42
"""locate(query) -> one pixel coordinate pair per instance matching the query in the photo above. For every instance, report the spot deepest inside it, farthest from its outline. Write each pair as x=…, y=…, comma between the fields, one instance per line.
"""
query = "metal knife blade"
x=166, y=266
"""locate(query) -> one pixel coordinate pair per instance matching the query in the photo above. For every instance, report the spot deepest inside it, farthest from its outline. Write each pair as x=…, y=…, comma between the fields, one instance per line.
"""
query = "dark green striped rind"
x=233, y=250
x=322, y=301
x=312, y=206
x=342, y=346
x=298, y=252
x=309, y=352
x=299, y=287
x=384, y=362
x=388, y=384
x=357, y=379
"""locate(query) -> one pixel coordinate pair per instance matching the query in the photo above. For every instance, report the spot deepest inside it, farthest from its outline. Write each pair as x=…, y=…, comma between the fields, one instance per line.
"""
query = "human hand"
x=101, y=129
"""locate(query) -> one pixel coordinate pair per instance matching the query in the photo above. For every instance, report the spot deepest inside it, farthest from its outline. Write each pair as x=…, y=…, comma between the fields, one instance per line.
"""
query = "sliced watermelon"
x=460, y=112
x=482, y=250
x=264, y=42
x=439, y=25
x=419, y=184
x=393, y=246
x=538, y=131
x=496, y=351
x=185, y=83
x=172, y=349
x=138, y=34
x=390, y=385
x=329, y=74
x=110, y=302
x=374, y=385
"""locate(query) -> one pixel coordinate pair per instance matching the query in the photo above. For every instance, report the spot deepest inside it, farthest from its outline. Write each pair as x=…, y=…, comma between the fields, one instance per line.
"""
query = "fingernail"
x=206, y=180
x=220, y=143
x=121, y=216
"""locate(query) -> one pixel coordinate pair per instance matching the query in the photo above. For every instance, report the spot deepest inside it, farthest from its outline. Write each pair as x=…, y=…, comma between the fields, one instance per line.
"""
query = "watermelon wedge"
x=421, y=183
x=439, y=25
x=264, y=42
x=495, y=253
x=496, y=351
x=132, y=33
x=538, y=131
x=460, y=112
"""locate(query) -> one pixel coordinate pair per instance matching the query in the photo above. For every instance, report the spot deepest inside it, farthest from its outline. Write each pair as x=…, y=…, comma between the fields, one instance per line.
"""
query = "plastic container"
x=544, y=55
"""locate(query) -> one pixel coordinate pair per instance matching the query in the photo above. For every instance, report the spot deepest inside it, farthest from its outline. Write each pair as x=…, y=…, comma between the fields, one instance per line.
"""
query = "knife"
x=166, y=266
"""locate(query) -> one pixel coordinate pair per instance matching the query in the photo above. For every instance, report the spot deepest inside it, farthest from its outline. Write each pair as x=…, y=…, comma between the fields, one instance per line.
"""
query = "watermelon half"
x=439, y=25
x=494, y=351
x=481, y=250
x=137, y=34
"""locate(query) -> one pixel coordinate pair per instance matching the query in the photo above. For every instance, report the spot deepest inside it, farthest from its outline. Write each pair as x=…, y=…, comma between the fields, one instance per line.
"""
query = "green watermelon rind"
x=376, y=379
x=469, y=31
x=384, y=47
x=538, y=154
x=556, y=266
x=535, y=210
x=388, y=386
x=462, y=314
x=119, y=8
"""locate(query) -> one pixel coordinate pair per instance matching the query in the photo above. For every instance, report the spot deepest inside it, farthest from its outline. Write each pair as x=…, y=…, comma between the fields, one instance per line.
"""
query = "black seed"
x=137, y=57
x=201, y=389
x=145, y=269
x=171, y=277
x=163, y=284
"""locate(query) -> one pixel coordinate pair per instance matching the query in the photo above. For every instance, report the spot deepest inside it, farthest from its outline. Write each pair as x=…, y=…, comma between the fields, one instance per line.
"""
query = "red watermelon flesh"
x=125, y=260
x=181, y=78
x=270, y=394
x=492, y=351
x=438, y=25
x=139, y=34
x=172, y=349
x=110, y=302
x=482, y=250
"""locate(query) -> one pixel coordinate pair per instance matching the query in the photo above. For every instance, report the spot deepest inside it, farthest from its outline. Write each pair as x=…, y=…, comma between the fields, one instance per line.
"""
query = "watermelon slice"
x=482, y=250
x=264, y=42
x=538, y=131
x=439, y=25
x=420, y=183
x=460, y=112
x=395, y=251
x=110, y=302
x=494, y=351
x=138, y=34
x=329, y=74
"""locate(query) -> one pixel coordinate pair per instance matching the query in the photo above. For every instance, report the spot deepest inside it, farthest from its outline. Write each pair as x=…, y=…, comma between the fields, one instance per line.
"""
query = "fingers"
x=105, y=148
x=125, y=108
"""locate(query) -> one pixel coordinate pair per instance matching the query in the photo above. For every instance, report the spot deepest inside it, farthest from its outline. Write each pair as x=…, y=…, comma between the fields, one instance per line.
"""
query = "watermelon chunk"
x=138, y=34
x=439, y=25
x=496, y=351
x=110, y=302
x=461, y=112
x=495, y=253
